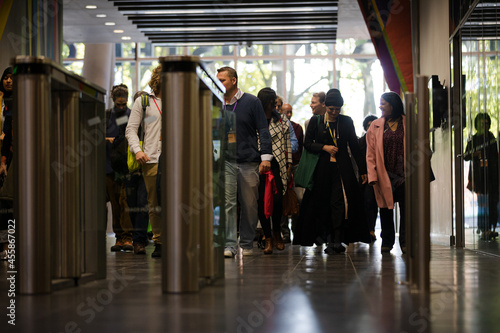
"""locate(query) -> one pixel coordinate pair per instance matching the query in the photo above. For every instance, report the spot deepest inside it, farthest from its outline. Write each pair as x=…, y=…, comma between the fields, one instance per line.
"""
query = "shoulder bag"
x=307, y=165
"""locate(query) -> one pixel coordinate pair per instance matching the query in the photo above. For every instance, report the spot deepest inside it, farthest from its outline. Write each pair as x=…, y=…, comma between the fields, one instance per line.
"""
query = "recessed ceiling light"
x=109, y=23
x=91, y=7
x=117, y=31
x=126, y=38
x=101, y=15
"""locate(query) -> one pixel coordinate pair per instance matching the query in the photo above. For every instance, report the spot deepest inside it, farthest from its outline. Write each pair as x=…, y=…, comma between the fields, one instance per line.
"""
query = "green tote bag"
x=307, y=165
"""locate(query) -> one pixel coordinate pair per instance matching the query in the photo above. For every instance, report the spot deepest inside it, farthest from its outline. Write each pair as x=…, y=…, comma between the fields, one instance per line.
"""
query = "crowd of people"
x=352, y=178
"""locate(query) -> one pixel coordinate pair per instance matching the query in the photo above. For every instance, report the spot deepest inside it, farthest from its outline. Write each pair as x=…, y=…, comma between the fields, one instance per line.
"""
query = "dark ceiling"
x=484, y=22
x=230, y=22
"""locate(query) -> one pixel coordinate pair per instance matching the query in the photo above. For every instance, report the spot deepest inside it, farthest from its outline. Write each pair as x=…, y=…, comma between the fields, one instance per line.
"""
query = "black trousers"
x=388, y=233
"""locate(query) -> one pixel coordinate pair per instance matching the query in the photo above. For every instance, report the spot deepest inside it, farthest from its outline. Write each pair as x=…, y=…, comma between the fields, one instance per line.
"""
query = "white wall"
x=435, y=60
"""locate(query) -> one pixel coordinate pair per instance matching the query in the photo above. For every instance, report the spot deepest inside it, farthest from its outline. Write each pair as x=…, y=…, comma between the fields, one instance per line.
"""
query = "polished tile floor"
x=297, y=290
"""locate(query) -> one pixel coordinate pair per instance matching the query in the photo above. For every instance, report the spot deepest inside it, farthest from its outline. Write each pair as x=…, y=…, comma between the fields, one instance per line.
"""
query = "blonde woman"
x=149, y=155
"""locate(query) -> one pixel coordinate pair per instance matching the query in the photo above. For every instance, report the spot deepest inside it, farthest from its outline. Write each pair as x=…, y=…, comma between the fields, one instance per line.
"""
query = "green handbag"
x=307, y=165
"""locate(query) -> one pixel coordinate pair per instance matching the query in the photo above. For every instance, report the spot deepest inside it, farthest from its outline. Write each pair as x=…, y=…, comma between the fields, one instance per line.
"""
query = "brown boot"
x=268, y=248
x=278, y=241
x=118, y=246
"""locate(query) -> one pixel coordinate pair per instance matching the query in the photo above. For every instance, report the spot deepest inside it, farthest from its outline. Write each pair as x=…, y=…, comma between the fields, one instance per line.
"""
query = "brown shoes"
x=139, y=248
x=268, y=248
x=127, y=246
x=278, y=241
x=118, y=246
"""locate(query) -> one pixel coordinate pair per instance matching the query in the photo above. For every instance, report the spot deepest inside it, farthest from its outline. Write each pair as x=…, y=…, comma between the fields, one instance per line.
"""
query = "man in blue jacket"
x=250, y=128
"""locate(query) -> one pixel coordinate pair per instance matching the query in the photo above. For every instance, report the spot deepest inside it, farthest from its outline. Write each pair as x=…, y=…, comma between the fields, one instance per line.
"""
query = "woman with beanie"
x=385, y=159
x=333, y=210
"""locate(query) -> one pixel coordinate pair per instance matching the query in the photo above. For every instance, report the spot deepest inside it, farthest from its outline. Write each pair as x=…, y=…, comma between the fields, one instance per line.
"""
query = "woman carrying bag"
x=332, y=211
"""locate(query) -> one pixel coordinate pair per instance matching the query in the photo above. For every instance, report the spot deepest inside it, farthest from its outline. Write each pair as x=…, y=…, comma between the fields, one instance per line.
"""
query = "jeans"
x=242, y=184
x=137, y=199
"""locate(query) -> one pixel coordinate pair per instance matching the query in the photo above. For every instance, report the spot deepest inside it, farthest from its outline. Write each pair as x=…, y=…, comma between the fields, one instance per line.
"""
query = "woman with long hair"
x=385, y=159
x=280, y=169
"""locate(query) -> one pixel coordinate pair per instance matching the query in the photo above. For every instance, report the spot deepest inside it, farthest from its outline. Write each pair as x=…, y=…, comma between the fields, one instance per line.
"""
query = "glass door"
x=480, y=47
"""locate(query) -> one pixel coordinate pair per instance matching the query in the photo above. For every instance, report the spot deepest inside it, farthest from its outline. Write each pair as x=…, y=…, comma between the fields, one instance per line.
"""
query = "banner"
x=389, y=24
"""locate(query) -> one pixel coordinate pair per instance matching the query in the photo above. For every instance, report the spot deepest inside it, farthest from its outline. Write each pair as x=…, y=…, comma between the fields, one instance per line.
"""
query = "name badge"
x=333, y=159
x=231, y=137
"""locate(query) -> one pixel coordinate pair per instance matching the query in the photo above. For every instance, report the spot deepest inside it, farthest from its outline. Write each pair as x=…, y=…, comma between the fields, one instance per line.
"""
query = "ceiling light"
x=109, y=23
x=126, y=38
x=91, y=7
x=117, y=31
x=101, y=15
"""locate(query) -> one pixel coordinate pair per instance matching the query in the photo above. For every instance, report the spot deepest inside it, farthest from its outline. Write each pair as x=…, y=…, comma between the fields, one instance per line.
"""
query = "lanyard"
x=333, y=137
x=157, y=106
x=234, y=108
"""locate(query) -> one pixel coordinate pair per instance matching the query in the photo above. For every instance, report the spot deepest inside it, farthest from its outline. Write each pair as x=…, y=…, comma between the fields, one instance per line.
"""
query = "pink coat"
x=375, y=163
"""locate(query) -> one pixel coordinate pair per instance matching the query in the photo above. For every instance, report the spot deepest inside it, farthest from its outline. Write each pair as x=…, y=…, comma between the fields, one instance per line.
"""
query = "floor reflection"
x=296, y=290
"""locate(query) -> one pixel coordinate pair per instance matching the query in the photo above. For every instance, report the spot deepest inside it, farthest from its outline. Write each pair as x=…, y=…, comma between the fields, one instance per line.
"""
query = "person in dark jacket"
x=333, y=210
x=482, y=152
x=115, y=187
x=371, y=208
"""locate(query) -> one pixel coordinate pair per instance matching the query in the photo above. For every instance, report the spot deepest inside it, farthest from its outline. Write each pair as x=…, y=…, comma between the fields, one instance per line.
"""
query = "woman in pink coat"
x=385, y=162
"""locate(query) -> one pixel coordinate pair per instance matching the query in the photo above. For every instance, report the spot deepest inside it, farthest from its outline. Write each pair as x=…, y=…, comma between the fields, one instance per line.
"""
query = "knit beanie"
x=334, y=98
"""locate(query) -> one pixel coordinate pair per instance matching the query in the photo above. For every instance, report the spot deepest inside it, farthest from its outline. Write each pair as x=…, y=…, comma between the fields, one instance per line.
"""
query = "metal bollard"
x=180, y=168
x=31, y=131
x=417, y=186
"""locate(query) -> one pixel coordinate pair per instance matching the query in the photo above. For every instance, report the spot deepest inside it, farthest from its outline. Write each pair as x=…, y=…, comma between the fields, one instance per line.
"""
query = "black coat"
x=311, y=224
x=483, y=172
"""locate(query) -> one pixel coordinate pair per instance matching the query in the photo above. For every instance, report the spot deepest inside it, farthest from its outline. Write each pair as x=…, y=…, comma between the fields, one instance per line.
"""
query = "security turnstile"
x=417, y=187
x=59, y=159
x=191, y=191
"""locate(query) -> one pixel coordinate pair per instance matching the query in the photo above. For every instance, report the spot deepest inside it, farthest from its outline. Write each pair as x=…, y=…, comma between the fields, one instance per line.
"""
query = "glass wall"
x=295, y=71
x=481, y=127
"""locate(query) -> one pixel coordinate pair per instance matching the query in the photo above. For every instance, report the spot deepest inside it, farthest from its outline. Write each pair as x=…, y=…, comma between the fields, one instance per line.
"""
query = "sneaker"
x=228, y=253
x=118, y=246
x=139, y=248
x=157, y=252
x=127, y=246
x=247, y=252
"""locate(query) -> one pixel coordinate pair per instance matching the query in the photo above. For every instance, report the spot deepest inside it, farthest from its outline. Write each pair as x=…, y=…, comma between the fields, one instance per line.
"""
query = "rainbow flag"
x=389, y=24
x=5, y=6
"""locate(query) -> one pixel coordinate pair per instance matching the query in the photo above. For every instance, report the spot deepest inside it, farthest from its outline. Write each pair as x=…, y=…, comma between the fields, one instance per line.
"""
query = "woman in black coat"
x=333, y=210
